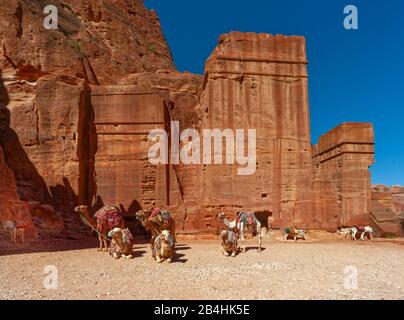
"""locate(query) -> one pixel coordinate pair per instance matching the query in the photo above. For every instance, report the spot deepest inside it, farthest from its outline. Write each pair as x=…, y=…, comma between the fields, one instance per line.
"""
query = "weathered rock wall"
x=100, y=41
x=77, y=105
x=258, y=81
x=387, y=209
x=45, y=76
x=343, y=156
x=123, y=117
x=11, y=208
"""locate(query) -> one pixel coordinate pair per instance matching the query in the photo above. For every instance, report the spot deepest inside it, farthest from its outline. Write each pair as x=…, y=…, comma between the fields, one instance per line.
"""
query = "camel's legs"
x=242, y=237
x=13, y=236
x=259, y=235
x=173, y=232
x=259, y=241
x=171, y=258
x=22, y=236
x=105, y=245
x=100, y=240
x=153, y=237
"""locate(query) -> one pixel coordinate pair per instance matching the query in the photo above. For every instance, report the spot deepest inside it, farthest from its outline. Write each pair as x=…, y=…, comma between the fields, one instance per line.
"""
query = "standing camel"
x=156, y=223
x=244, y=222
x=104, y=220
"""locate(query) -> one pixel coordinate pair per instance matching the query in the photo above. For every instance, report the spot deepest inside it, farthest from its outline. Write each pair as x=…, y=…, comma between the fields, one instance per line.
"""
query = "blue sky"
x=355, y=75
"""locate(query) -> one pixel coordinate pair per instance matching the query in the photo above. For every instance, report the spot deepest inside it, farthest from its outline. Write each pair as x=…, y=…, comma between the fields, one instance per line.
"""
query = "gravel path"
x=282, y=271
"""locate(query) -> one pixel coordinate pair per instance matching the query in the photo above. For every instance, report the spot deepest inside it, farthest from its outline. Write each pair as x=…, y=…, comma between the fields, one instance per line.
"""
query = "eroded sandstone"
x=77, y=105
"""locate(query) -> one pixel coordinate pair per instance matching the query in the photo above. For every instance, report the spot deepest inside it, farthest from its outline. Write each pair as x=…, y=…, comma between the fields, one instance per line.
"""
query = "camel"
x=15, y=229
x=229, y=243
x=164, y=247
x=361, y=231
x=104, y=220
x=121, y=244
x=245, y=221
x=156, y=224
x=294, y=233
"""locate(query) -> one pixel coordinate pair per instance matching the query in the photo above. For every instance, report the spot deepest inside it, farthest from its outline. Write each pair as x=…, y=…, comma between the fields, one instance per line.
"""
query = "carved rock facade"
x=77, y=105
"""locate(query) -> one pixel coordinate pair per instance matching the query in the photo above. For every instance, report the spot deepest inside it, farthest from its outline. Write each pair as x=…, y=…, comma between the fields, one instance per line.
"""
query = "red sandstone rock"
x=78, y=103
x=43, y=75
x=343, y=156
x=11, y=208
x=387, y=209
x=101, y=41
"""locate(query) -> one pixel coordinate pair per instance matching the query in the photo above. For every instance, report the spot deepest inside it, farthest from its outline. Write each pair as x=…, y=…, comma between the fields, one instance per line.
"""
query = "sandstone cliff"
x=388, y=209
x=77, y=104
x=45, y=77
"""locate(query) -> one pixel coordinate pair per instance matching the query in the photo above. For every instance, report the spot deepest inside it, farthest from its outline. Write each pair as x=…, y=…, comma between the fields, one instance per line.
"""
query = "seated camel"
x=229, y=243
x=103, y=221
x=294, y=233
x=164, y=247
x=244, y=222
x=157, y=221
x=15, y=229
x=121, y=244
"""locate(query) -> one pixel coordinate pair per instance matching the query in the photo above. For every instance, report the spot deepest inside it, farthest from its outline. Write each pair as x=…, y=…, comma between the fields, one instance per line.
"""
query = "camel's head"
x=114, y=233
x=121, y=236
x=166, y=236
x=81, y=209
x=221, y=216
x=140, y=215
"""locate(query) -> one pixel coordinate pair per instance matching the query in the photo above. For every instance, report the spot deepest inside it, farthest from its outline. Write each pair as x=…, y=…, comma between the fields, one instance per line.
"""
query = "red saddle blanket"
x=154, y=212
x=109, y=216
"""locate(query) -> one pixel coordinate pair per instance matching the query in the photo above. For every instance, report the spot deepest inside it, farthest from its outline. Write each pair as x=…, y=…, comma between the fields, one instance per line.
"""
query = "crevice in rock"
x=18, y=14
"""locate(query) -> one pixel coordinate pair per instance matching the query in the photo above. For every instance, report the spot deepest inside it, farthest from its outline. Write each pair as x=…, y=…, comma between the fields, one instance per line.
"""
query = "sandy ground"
x=303, y=270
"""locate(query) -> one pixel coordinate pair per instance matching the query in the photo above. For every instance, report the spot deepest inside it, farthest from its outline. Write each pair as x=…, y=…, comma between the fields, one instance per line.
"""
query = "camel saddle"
x=248, y=218
x=110, y=216
x=232, y=236
x=163, y=215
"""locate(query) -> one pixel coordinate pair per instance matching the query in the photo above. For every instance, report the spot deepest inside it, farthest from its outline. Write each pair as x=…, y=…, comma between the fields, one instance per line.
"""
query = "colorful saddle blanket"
x=247, y=218
x=294, y=231
x=127, y=237
x=154, y=212
x=288, y=230
x=128, y=242
x=164, y=214
x=232, y=237
x=157, y=242
x=109, y=216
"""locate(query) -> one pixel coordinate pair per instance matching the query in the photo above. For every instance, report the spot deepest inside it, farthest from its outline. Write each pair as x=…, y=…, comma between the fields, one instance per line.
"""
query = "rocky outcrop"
x=45, y=77
x=100, y=41
x=259, y=81
x=121, y=123
x=343, y=157
x=78, y=103
x=387, y=209
x=11, y=208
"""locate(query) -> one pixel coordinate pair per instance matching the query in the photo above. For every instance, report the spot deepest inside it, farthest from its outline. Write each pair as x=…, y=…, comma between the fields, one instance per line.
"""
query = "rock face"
x=259, y=81
x=11, y=208
x=388, y=209
x=251, y=81
x=344, y=156
x=45, y=77
x=100, y=41
x=78, y=104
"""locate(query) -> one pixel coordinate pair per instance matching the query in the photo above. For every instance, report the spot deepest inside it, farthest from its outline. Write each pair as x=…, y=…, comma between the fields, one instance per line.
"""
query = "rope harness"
x=85, y=221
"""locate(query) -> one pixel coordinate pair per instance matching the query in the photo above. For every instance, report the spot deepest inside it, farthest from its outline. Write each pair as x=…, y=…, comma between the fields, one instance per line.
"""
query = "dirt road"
x=281, y=271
